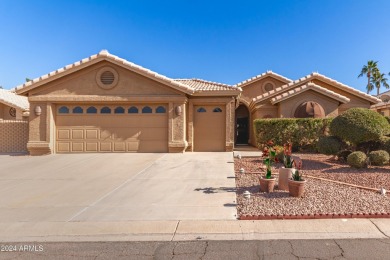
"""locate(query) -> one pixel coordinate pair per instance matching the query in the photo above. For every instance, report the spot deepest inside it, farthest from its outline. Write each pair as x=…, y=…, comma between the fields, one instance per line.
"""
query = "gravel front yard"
x=321, y=197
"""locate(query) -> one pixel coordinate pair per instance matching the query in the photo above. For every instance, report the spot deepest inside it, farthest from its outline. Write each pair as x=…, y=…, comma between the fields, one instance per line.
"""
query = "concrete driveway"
x=117, y=187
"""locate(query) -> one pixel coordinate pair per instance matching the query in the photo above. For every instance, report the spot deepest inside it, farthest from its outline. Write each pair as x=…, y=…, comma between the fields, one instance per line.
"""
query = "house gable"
x=86, y=82
x=357, y=98
x=309, y=87
x=259, y=84
x=288, y=106
x=94, y=59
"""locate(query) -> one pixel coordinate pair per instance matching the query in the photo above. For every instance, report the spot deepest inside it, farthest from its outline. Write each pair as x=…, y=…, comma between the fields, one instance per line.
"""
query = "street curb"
x=315, y=216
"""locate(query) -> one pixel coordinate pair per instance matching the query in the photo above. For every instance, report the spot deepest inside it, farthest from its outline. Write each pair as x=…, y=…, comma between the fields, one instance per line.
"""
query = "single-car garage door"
x=209, y=128
x=123, y=128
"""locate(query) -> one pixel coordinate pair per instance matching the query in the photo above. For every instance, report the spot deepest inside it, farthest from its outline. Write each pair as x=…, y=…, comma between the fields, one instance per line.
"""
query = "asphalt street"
x=267, y=249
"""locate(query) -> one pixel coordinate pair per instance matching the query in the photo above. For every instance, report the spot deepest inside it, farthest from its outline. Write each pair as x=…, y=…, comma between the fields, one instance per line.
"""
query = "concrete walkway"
x=195, y=230
x=247, y=151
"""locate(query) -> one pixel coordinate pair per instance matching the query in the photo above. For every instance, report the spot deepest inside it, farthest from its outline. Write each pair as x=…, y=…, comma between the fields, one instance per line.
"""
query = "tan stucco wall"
x=287, y=108
x=41, y=128
x=4, y=113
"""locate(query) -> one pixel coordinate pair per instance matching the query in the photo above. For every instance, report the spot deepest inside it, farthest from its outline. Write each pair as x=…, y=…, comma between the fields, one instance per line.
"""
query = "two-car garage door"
x=99, y=128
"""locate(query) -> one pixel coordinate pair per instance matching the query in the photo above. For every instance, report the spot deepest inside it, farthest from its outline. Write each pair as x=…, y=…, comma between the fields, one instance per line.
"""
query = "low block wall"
x=13, y=136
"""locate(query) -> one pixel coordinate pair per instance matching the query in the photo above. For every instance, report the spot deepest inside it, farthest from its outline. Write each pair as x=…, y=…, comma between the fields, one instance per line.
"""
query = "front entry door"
x=242, y=130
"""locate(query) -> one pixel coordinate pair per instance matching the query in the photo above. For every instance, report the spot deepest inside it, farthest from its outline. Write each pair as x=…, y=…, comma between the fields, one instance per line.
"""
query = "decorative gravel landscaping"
x=322, y=198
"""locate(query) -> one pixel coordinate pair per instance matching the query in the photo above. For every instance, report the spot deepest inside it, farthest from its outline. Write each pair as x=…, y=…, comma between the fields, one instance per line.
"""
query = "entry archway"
x=242, y=125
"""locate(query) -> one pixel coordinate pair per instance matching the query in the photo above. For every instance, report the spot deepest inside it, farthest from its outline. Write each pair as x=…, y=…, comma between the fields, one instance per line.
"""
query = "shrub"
x=385, y=143
x=357, y=160
x=369, y=146
x=388, y=118
x=358, y=125
x=379, y=157
x=329, y=145
x=302, y=132
x=343, y=155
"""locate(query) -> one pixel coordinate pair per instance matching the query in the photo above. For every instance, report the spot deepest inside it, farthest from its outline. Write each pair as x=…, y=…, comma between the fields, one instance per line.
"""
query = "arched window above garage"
x=147, y=110
x=119, y=110
x=91, y=110
x=63, y=110
x=78, y=110
x=132, y=110
x=217, y=110
x=105, y=110
x=160, y=109
x=201, y=110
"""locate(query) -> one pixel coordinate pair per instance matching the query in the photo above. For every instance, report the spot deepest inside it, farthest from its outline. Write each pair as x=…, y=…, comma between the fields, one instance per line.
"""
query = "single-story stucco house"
x=107, y=104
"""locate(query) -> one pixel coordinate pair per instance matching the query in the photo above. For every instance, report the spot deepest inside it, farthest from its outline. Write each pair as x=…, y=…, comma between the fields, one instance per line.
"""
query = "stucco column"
x=190, y=127
x=177, y=128
x=230, y=118
x=39, y=123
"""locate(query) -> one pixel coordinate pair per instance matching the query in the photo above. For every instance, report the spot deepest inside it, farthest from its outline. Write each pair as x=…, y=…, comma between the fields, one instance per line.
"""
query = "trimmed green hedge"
x=388, y=118
x=303, y=133
x=358, y=125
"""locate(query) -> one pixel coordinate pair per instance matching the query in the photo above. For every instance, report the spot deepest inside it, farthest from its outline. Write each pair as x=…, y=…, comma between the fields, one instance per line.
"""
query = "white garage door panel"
x=112, y=133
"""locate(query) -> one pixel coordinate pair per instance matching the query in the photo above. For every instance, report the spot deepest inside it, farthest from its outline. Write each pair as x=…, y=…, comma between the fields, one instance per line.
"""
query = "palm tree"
x=379, y=79
x=368, y=70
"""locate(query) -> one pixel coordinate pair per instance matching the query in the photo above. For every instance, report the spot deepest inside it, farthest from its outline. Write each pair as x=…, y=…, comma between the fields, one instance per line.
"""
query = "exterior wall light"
x=178, y=110
x=38, y=110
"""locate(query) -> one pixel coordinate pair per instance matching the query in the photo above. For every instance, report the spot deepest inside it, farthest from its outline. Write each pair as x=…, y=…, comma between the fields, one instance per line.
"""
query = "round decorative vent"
x=268, y=86
x=107, y=78
x=12, y=112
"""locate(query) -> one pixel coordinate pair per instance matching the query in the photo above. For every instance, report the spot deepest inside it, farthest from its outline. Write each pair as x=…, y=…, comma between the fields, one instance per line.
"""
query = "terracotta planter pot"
x=267, y=185
x=284, y=175
x=296, y=188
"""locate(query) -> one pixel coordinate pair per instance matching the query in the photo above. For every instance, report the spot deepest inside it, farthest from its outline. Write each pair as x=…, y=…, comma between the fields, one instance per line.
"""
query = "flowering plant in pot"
x=287, y=171
x=296, y=184
x=267, y=182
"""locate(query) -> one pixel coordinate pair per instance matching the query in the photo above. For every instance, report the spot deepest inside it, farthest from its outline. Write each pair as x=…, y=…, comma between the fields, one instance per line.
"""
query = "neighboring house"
x=107, y=104
x=13, y=106
x=384, y=106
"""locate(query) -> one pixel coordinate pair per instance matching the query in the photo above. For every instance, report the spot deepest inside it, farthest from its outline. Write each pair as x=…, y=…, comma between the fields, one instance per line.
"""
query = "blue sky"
x=223, y=41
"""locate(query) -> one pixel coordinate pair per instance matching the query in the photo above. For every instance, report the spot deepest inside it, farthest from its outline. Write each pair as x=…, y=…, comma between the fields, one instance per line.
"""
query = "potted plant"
x=286, y=172
x=296, y=184
x=267, y=182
